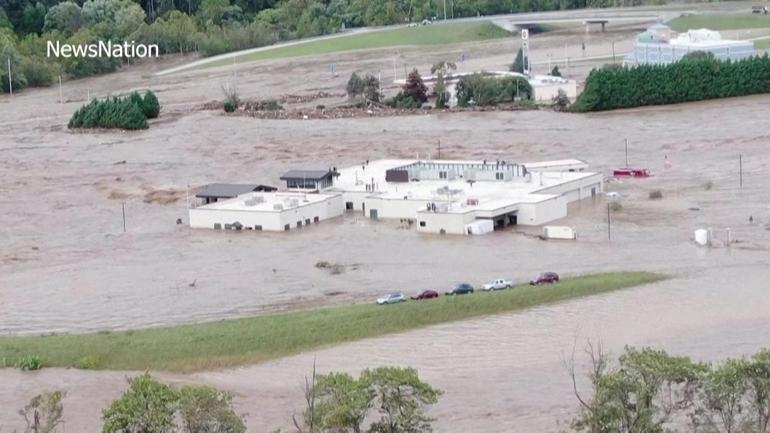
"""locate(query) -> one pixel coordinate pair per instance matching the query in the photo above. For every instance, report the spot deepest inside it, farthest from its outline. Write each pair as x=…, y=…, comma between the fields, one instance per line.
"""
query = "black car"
x=460, y=289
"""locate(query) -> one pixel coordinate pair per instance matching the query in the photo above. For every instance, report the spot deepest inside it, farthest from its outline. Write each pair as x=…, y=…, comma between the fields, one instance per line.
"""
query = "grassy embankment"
x=762, y=44
x=719, y=22
x=433, y=34
x=251, y=340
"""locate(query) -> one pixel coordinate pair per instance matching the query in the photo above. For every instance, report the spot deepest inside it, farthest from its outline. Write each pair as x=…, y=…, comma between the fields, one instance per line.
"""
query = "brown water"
x=66, y=265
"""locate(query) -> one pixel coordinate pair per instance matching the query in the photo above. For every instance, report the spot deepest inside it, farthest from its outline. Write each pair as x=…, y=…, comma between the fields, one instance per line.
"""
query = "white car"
x=498, y=284
x=391, y=298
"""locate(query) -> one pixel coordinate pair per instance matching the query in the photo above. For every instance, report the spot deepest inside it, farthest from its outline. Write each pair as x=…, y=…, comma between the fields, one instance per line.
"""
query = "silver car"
x=391, y=298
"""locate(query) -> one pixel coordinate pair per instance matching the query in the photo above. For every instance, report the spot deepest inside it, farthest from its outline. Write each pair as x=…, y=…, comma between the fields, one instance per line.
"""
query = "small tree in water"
x=518, y=62
x=415, y=88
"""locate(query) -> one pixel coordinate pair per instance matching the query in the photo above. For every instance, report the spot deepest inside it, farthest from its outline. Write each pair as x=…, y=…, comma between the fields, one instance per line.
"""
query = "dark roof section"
x=307, y=174
x=230, y=190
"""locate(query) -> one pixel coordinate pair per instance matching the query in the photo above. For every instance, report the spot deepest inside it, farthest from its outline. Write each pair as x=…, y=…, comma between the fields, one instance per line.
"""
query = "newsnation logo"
x=107, y=49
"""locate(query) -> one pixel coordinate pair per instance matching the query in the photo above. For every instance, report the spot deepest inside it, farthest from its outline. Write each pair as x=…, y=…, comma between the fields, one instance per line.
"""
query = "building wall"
x=395, y=208
x=575, y=190
x=203, y=217
x=658, y=53
x=535, y=214
x=547, y=91
x=451, y=223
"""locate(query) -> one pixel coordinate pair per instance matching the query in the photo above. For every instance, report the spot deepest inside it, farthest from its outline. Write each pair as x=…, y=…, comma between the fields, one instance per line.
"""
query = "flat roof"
x=306, y=174
x=225, y=189
x=267, y=201
x=491, y=195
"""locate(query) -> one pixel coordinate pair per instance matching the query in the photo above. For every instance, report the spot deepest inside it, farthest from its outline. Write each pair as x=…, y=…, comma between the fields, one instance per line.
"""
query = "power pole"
x=609, y=223
x=740, y=168
x=124, y=216
x=10, y=80
x=626, y=153
x=439, y=149
x=444, y=10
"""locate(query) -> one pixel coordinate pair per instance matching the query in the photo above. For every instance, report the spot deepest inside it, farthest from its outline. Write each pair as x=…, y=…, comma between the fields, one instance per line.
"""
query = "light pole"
x=10, y=80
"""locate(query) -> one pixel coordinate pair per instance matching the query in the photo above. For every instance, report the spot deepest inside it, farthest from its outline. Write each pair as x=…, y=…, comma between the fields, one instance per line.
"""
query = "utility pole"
x=444, y=10
x=124, y=216
x=61, y=95
x=613, y=52
x=626, y=153
x=10, y=80
x=609, y=223
x=740, y=168
x=439, y=149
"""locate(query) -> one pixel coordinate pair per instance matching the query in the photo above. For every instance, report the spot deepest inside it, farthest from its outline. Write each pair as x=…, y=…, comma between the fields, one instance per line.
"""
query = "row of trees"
x=696, y=77
x=471, y=90
x=129, y=112
x=380, y=400
x=651, y=391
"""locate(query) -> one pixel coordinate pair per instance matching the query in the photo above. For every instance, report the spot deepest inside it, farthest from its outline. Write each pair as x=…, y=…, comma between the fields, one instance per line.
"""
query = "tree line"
x=128, y=112
x=208, y=27
x=380, y=400
x=696, y=77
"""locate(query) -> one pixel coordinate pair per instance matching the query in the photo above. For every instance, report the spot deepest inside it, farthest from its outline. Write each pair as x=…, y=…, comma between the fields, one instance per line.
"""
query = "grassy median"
x=251, y=340
x=433, y=34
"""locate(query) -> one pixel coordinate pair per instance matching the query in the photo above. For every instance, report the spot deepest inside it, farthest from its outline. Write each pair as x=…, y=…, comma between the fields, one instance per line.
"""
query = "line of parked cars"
x=465, y=288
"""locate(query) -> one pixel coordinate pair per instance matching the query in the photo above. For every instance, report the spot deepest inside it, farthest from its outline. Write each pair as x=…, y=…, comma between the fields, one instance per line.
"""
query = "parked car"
x=460, y=289
x=631, y=172
x=426, y=294
x=545, y=278
x=391, y=298
x=498, y=284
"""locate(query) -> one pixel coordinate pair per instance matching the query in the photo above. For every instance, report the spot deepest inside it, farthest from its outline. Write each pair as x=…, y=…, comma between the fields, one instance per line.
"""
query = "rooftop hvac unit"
x=277, y=206
x=293, y=202
x=250, y=202
x=442, y=207
x=259, y=200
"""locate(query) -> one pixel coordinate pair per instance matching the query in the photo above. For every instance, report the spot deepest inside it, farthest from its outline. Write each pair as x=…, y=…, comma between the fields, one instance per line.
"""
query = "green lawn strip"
x=256, y=339
x=433, y=34
x=719, y=22
x=762, y=44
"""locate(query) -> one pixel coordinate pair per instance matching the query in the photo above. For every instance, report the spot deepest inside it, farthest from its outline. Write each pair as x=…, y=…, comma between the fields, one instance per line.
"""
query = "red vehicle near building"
x=631, y=172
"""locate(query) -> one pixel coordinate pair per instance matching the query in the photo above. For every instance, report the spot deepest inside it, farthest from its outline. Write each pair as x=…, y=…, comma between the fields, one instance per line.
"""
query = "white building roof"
x=490, y=195
x=268, y=201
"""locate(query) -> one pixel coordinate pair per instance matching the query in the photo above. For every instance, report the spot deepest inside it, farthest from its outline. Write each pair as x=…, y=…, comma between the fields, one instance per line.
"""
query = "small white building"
x=270, y=211
x=440, y=196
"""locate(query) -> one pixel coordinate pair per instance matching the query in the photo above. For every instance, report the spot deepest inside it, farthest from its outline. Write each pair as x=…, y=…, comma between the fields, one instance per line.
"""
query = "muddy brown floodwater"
x=66, y=265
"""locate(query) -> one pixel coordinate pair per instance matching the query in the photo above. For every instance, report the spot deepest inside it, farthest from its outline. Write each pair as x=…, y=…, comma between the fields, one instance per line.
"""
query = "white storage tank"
x=702, y=237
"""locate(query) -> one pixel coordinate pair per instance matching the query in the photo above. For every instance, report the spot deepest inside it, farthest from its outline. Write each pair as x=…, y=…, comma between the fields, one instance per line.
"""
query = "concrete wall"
x=451, y=223
x=396, y=208
x=575, y=190
x=203, y=217
x=547, y=91
x=534, y=214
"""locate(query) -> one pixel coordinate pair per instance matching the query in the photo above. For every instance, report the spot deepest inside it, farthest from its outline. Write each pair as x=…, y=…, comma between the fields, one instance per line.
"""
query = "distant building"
x=438, y=196
x=662, y=45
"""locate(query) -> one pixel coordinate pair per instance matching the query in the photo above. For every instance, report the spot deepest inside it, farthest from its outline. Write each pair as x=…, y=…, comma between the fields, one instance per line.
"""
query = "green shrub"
x=402, y=100
x=151, y=105
x=483, y=90
x=230, y=107
x=114, y=113
x=616, y=206
x=30, y=362
x=87, y=362
x=696, y=78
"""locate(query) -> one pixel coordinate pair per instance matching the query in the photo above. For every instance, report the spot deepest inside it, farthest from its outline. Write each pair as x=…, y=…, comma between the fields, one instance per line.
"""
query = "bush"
x=115, y=113
x=147, y=406
x=403, y=101
x=206, y=409
x=87, y=362
x=415, y=88
x=616, y=206
x=518, y=62
x=30, y=362
x=656, y=194
x=232, y=101
x=151, y=105
x=697, y=78
x=483, y=90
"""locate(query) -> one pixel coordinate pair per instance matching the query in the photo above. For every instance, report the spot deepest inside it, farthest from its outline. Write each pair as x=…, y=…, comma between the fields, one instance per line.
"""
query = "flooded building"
x=439, y=196
x=659, y=44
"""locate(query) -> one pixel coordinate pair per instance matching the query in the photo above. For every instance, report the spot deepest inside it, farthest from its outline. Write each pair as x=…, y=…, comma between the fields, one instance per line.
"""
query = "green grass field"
x=251, y=340
x=719, y=22
x=762, y=44
x=434, y=34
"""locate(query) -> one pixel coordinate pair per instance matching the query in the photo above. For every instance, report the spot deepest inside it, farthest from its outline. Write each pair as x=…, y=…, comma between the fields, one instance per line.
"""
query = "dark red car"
x=426, y=294
x=545, y=278
x=631, y=172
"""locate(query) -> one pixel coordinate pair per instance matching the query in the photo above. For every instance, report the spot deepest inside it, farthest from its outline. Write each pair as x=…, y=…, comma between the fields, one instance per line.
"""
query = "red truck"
x=631, y=172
